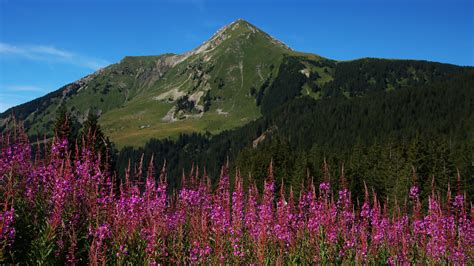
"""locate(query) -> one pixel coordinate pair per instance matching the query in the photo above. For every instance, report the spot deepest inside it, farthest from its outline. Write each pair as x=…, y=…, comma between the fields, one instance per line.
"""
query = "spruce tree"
x=63, y=125
x=93, y=139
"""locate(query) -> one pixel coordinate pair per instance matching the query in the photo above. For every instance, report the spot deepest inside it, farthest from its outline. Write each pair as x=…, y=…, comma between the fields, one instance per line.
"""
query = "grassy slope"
x=106, y=91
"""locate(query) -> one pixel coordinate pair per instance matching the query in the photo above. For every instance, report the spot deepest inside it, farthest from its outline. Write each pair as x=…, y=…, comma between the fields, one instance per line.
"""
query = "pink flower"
x=324, y=186
x=414, y=192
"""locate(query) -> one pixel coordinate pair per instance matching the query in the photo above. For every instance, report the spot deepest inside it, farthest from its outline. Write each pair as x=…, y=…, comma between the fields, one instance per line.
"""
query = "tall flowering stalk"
x=251, y=215
x=237, y=218
x=282, y=227
x=220, y=215
x=266, y=217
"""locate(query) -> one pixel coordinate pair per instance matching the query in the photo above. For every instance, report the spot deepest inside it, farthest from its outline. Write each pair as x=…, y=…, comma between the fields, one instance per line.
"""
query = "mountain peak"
x=239, y=27
x=234, y=30
x=239, y=22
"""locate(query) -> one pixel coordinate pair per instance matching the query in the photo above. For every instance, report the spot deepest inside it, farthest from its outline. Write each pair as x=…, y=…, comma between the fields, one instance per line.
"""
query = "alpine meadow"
x=241, y=151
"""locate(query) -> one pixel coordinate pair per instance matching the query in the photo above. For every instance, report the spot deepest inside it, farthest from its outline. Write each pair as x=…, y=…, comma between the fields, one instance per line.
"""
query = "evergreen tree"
x=63, y=125
x=357, y=169
x=94, y=139
x=300, y=172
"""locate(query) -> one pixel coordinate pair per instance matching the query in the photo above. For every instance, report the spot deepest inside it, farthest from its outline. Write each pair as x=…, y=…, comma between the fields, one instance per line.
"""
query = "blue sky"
x=47, y=44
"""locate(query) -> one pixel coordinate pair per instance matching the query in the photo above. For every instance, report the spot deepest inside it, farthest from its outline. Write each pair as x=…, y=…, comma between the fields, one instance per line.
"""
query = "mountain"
x=206, y=89
x=235, y=77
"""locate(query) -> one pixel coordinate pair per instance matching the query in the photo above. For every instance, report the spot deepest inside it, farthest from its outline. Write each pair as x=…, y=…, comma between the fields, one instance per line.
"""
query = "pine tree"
x=63, y=125
x=300, y=171
x=66, y=127
x=357, y=169
x=93, y=138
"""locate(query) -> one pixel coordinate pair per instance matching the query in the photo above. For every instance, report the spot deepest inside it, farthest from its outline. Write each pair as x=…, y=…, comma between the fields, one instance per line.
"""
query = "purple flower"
x=459, y=201
x=324, y=186
x=414, y=192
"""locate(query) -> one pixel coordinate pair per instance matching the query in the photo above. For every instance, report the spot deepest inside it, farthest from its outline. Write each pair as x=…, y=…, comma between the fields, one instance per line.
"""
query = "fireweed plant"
x=63, y=208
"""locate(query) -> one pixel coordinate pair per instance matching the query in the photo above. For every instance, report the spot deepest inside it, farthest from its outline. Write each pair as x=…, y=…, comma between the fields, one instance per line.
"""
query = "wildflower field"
x=63, y=207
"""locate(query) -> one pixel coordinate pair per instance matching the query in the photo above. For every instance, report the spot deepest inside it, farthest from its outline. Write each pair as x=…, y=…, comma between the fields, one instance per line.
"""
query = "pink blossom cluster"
x=139, y=221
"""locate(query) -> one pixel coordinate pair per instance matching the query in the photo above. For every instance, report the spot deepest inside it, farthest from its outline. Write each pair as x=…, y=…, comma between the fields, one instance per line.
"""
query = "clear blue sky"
x=46, y=44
